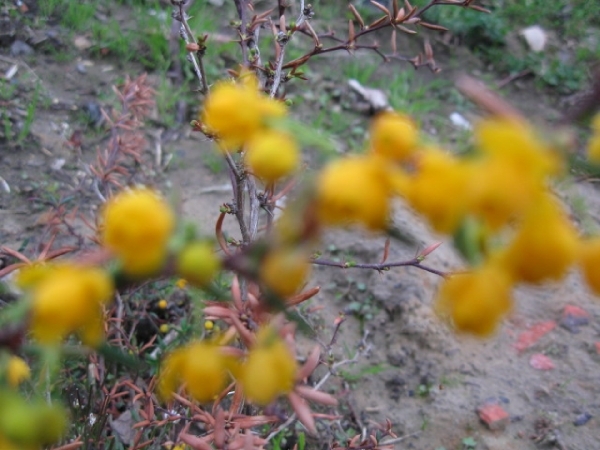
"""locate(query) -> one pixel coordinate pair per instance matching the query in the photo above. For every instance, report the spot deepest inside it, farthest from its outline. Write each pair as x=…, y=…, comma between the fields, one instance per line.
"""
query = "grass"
x=565, y=63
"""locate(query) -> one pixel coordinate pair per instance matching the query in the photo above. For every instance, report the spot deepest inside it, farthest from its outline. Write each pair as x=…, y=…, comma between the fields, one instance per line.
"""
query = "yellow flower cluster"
x=239, y=115
x=136, y=226
x=268, y=371
x=502, y=186
x=69, y=299
x=285, y=270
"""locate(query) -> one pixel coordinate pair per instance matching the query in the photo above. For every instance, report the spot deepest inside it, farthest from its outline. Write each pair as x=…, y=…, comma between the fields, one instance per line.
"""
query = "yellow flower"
x=181, y=283
x=393, y=136
x=269, y=370
x=198, y=263
x=593, y=148
x=235, y=112
x=136, y=226
x=440, y=189
x=354, y=190
x=285, y=270
x=17, y=371
x=589, y=261
x=162, y=304
x=201, y=366
x=545, y=245
x=272, y=155
x=476, y=301
x=516, y=142
x=500, y=192
x=69, y=300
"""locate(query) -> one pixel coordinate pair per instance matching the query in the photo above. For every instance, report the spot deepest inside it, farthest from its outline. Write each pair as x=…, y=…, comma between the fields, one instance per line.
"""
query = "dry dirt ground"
x=416, y=372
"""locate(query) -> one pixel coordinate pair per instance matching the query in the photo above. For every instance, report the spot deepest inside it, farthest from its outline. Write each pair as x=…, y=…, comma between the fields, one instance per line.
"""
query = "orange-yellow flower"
x=69, y=300
x=136, y=226
x=17, y=371
x=517, y=143
x=272, y=155
x=235, y=112
x=475, y=302
x=354, y=190
x=269, y=370
x=500, y=191
x=198, y=263
x=200, y=366
x=393, y=136
x=285, y=270
x=545, y=245
x=440, y=189
x=589, y=261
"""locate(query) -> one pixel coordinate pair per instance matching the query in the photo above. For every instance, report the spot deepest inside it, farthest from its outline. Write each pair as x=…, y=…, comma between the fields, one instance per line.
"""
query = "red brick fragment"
x=540, y=361
x=533, y=334
x=597, y=344
x=575, y=311
x=494, y=416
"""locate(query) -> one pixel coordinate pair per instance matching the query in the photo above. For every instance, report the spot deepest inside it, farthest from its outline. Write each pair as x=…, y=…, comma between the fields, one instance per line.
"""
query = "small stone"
x=535, y=36
x=20, y=48
x=531, y=336
x=494, y=416
x=541, y=362
x=597, y=345
x=582, y=419
x=574, y=317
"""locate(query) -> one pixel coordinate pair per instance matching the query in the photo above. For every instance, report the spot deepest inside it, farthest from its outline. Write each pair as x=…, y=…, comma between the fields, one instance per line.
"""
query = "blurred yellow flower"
x=235, y=112
x=269, y=370
x=162, y=304
x=440, y=189
x=17, y=371
x=70, y=299
x=545, y=245
x=285, y=270
x=500, y=192
x=393, y=136
x=475, y=302
x=356, y=189
x=272, y=155
x=589, y=261
x=200, y=366
x=517, y=142
x=198, y=263
x=136, y=226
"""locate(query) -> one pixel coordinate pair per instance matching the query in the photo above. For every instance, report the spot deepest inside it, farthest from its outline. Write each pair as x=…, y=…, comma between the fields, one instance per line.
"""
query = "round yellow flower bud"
x=198, y=263
x=235, y=112
x=272, y=155
x=285, y=271
x=209, y=325
x=164, y=328
x=545, y=245
x=393, y=136
x=200, y=366
x=70, y=300
x=162, y=304
x=354, y=190
x=589, y=261
x=440, y=189
x=269, y=370
x=17, y=371
x=476, y=302
x=136, y=226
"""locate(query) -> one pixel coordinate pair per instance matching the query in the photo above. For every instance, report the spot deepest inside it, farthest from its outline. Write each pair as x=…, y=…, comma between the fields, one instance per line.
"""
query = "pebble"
x=20, y=48
x=582, y=419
